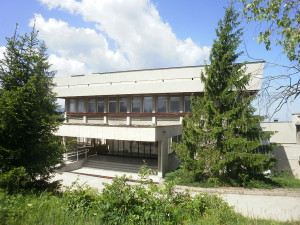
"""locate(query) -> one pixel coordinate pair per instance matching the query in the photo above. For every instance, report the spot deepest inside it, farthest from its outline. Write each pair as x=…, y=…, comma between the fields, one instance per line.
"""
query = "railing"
x=76, y=154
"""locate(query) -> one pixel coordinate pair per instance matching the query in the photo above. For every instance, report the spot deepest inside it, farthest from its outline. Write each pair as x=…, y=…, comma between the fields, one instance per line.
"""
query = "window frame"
x=162, y=100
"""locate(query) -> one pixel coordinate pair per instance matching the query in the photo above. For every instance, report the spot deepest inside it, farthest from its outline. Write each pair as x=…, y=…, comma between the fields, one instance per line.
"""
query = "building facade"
x=134, y=113
x=287, y=137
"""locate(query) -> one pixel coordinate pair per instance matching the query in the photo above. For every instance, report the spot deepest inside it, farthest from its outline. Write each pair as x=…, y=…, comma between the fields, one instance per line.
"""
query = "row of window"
x=138, y=104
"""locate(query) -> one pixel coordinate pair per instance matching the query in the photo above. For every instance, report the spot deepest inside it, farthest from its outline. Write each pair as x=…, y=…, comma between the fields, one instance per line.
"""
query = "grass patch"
x=119, y=203
x=281, y=180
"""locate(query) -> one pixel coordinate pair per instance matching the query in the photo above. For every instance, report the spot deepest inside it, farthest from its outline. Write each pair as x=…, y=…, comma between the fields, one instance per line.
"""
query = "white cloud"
x=141, y=38
x=65, y=66
x=2, y=50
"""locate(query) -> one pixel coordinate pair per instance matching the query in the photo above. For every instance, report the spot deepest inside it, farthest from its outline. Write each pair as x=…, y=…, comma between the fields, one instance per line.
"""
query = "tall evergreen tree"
x=223, y=138
x=28, y=110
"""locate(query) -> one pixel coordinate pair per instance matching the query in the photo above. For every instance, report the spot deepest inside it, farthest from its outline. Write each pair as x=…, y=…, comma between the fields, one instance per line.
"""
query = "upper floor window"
x=123, y=104
x=92, y=105
x=136, y=104
x=148, y=104
x=174, y=104
x=100, y=105
x=187, y=104
x=112, y=105
x=72, y=105
x=162, y=104
x=81, y=105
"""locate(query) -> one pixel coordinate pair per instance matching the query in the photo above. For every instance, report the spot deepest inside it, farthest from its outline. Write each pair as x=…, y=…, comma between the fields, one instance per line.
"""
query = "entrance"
x=137, y=149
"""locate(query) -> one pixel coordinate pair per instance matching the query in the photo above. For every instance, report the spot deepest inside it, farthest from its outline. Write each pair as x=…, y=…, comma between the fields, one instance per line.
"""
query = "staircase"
x=115, y=166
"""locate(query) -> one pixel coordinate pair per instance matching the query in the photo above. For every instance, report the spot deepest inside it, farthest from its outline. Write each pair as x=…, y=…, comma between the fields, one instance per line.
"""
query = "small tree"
x=28, y=110
x=223, y=138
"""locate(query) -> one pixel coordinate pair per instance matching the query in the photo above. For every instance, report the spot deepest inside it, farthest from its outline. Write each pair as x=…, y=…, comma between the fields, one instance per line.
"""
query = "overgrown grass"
x=281, y=180
x=119, y=203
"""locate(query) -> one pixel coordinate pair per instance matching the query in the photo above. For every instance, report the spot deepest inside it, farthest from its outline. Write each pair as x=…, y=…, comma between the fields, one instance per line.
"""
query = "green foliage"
x=28, y=109
x=83, y=205
x=222, y=139
x=14, y=180
x=81, y=199
x=282, y=21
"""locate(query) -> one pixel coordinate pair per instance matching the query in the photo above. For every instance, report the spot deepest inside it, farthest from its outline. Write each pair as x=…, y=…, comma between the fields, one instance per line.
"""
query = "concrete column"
x=66, y=117
x=154, y=120
x=154, y=109
x=128, y=119
x=105, y=120
x=180, y=119
x=84, y=119
x=163, y=155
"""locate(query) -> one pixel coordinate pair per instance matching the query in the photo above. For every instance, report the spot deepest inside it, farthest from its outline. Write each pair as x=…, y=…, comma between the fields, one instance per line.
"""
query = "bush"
x=14, y=180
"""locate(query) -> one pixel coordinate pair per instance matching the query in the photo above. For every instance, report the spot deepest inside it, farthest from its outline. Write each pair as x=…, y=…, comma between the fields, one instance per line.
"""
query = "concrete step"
x=114, y=166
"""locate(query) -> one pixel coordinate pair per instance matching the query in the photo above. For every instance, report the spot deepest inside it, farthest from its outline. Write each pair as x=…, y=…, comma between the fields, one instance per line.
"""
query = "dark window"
x=174, y=103
x=148, y=104
x=112, y=105
x=187, y=104
x=72, y=105
x=136, y=104
x=100, y=105
x=123, y=104
x=92, y=105
x=81, y=106
x=161, y=104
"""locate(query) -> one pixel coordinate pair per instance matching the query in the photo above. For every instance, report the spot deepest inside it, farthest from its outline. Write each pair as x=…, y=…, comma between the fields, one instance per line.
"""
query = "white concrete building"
x=134, y=113
x=287, y=137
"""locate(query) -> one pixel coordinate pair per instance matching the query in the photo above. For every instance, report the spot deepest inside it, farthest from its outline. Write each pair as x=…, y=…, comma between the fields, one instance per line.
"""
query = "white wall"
x=167, y=80
x=288, y=158
x=129, y=133
x=285, y=132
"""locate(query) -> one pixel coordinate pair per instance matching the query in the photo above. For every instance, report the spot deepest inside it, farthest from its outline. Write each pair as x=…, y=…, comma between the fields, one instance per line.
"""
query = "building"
x=287, y=137
x=134, y=113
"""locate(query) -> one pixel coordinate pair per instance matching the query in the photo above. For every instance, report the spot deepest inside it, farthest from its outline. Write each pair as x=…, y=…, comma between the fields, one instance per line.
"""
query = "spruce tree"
x=222, y=139
x=28, y=109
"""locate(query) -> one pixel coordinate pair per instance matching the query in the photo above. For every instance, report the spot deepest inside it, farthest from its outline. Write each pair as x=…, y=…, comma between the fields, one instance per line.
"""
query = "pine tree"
x=222, y=139
x=28, y=109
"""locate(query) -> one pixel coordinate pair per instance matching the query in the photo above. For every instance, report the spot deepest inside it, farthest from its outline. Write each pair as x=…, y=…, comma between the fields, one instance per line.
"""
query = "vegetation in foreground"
x=278, y=180
x=119, y=203
x=28, y=111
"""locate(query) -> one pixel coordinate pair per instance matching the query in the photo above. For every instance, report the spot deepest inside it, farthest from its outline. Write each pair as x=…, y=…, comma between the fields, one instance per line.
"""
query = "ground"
x=277, y=204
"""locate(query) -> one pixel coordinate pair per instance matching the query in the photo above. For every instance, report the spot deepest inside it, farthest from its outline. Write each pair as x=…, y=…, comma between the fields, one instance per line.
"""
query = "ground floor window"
x=171, y=140
x=132, y=148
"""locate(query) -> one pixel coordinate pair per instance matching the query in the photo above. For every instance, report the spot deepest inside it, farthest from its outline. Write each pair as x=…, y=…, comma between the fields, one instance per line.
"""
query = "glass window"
x=81, y=106
x=92, y=105
x=123, y=105
x=112, y=105
x=136, y=104
x=100, y=105
x=148, y=104
x=174, y=103
x=72, y=105
x=187, y=104
x=162, y=104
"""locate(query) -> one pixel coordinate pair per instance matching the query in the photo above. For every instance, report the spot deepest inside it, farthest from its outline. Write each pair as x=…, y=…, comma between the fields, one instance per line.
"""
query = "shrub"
x=14, y=180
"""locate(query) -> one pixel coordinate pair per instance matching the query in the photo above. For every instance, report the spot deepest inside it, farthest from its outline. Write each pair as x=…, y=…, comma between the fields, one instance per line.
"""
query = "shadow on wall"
x=288, y=159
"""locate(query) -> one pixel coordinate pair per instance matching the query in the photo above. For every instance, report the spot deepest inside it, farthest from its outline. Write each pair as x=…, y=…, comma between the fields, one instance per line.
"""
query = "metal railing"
x=76, y=154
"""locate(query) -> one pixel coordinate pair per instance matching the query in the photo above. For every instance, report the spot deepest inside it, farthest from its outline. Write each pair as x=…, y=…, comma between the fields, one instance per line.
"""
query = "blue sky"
x=104, y=35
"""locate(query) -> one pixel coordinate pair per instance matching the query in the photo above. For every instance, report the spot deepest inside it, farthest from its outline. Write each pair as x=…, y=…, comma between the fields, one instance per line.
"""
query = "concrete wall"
x=166, y=80
x=288, y=158
x=129, y=133
x=285, y=132
x=287, y=137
